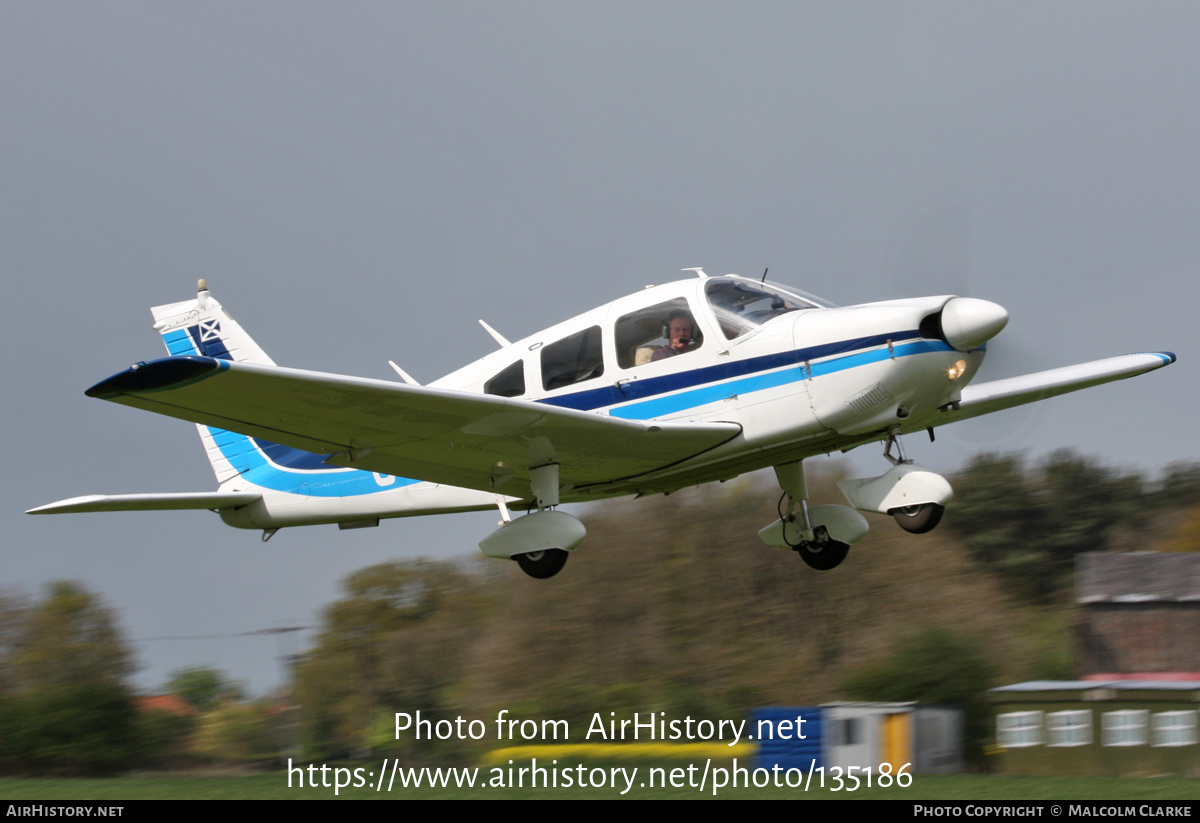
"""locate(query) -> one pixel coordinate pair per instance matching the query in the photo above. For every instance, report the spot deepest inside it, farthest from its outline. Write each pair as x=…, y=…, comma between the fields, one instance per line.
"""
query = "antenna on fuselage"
x=497, y=336
x=699, y=270
x=764, y=277
x=407, y=378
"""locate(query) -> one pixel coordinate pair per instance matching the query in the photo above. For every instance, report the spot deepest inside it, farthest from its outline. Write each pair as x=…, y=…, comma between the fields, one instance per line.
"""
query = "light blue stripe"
x=178, y=343
x=244, y=456
x=711, y=394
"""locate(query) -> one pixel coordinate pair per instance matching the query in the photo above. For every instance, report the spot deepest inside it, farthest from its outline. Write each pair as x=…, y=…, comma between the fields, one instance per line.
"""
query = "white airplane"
x=677, y=385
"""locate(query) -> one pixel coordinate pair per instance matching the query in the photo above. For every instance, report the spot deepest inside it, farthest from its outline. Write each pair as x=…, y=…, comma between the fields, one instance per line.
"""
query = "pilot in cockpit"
x=681, y=334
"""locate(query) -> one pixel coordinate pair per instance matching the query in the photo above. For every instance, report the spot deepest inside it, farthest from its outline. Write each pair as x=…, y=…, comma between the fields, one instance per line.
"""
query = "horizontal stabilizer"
x=149, y=502
x=985, y=398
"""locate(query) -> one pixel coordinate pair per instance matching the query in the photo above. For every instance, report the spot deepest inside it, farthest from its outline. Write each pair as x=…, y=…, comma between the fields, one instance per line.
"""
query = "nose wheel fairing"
x=903, y=486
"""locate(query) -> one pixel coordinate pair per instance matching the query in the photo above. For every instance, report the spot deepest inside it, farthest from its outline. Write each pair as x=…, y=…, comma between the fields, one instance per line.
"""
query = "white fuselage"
x=810, y=380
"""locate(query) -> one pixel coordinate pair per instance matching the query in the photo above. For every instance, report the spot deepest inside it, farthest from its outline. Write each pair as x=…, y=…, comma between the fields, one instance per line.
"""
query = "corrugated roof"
x=1138, y=577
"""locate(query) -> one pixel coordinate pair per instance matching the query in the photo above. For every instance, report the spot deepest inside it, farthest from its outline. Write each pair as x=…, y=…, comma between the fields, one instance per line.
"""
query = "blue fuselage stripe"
x=769, y=380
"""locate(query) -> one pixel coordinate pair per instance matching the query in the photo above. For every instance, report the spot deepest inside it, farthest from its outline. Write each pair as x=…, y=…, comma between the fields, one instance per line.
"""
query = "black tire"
x=919, y=519
x=824, y=557
x=542, y=565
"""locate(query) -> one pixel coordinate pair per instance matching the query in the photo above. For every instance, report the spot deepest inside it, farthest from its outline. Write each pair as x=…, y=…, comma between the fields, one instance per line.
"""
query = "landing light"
x=956, y=371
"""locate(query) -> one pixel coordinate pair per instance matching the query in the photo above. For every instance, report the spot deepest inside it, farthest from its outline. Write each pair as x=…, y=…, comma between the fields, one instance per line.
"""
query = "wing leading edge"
x=149, y=502
x=985, y=398
x=461, y=439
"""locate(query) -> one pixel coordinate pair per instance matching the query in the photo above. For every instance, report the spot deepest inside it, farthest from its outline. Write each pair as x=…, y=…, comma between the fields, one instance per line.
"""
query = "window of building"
x=1125, y=728
x=1016, y=730
x=508, y=383
x=1175, y=728
x=572, y=359
x=847, y=731
x=1073, y=728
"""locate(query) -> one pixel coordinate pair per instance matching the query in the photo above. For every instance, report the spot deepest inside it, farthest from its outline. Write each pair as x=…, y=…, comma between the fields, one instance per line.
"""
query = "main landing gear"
x=542, y=540
x=543, y=564
x=821, y=535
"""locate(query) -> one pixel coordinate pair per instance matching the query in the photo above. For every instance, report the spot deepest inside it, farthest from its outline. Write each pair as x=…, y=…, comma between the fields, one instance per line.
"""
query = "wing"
x=148, y=502
x=443, y=436
x=986, y=398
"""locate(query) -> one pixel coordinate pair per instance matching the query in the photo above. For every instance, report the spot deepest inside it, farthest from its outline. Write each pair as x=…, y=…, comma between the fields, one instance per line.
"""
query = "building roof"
x=1115, y=685
x=1137, y=577
x=167, y=703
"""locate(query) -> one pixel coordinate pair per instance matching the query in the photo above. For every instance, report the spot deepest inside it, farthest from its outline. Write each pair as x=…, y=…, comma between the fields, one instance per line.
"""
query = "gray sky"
x=360, y=182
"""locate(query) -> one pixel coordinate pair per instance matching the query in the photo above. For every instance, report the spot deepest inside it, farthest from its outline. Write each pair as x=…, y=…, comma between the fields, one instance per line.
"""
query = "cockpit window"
x=742, y=306
x=644, y=336
x=572, y=359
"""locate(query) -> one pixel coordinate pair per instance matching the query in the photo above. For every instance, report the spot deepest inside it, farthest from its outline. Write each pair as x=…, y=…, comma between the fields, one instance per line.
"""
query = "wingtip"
x=157, y=374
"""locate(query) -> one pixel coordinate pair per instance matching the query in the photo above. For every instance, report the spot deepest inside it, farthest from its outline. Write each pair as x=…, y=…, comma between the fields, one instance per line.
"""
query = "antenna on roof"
x=699, y=270
x=764, y=277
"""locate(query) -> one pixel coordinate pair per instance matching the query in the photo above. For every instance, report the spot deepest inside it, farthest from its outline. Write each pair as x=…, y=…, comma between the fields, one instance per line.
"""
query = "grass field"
x=273, y=786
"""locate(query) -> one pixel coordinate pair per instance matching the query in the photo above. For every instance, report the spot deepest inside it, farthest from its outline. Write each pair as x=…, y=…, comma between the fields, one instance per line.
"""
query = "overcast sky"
x=360, y=181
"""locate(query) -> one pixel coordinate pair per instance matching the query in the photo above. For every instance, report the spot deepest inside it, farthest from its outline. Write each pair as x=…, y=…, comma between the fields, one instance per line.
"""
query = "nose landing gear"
x=919, y=519
x=912, y=494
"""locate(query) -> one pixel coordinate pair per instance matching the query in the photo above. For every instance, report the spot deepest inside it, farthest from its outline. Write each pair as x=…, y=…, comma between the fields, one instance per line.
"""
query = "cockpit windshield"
x=742, y=306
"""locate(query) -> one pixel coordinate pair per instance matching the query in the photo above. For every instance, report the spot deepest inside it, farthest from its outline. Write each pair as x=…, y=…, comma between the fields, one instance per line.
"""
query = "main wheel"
x=823, y=557
x=919, y=519
x=542, y=564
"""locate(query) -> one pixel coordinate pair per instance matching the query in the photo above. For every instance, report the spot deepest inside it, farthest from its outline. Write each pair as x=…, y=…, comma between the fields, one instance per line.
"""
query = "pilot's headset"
x=696, y=337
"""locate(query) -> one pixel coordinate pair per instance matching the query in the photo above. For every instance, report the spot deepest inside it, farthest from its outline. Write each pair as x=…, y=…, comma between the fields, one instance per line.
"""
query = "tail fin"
x=203, y=327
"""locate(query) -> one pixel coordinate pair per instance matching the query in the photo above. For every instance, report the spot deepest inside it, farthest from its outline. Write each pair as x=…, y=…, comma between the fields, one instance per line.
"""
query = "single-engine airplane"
x=677, y=385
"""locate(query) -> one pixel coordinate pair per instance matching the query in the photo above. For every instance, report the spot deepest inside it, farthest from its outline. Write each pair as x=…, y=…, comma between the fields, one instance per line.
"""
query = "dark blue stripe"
x=290, y=458
x=653, y=386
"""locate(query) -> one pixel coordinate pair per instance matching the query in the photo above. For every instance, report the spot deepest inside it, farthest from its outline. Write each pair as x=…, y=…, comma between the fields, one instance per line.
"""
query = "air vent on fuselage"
x=871, y=400
x=931, y=326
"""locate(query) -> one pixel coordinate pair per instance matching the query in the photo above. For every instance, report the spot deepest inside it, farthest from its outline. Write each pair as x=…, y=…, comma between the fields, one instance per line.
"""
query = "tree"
x=936, y=667
x=237, y=732
x=1028, y=525
x=399, y=639
x=67, y=707
x=200, y=687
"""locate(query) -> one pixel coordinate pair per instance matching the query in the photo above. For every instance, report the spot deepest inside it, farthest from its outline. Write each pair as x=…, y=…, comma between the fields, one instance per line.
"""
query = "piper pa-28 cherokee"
x=681, y=384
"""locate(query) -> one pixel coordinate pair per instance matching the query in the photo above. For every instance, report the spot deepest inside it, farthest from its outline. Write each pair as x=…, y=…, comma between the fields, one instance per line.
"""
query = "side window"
x=645, y=335
x=572, y=359
x=508, y=383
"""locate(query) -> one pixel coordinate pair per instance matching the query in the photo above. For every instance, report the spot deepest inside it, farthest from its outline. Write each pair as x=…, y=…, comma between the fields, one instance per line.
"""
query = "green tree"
x=237, y=732
x=1028, y=525
x=201, y=688
x=66, y=706
x=936, y=667
x=397, y=642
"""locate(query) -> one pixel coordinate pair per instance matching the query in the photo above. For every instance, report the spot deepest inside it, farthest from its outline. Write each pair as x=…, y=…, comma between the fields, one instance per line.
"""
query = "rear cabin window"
x=508, y=383
x=572, y=359
x=643, y=333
